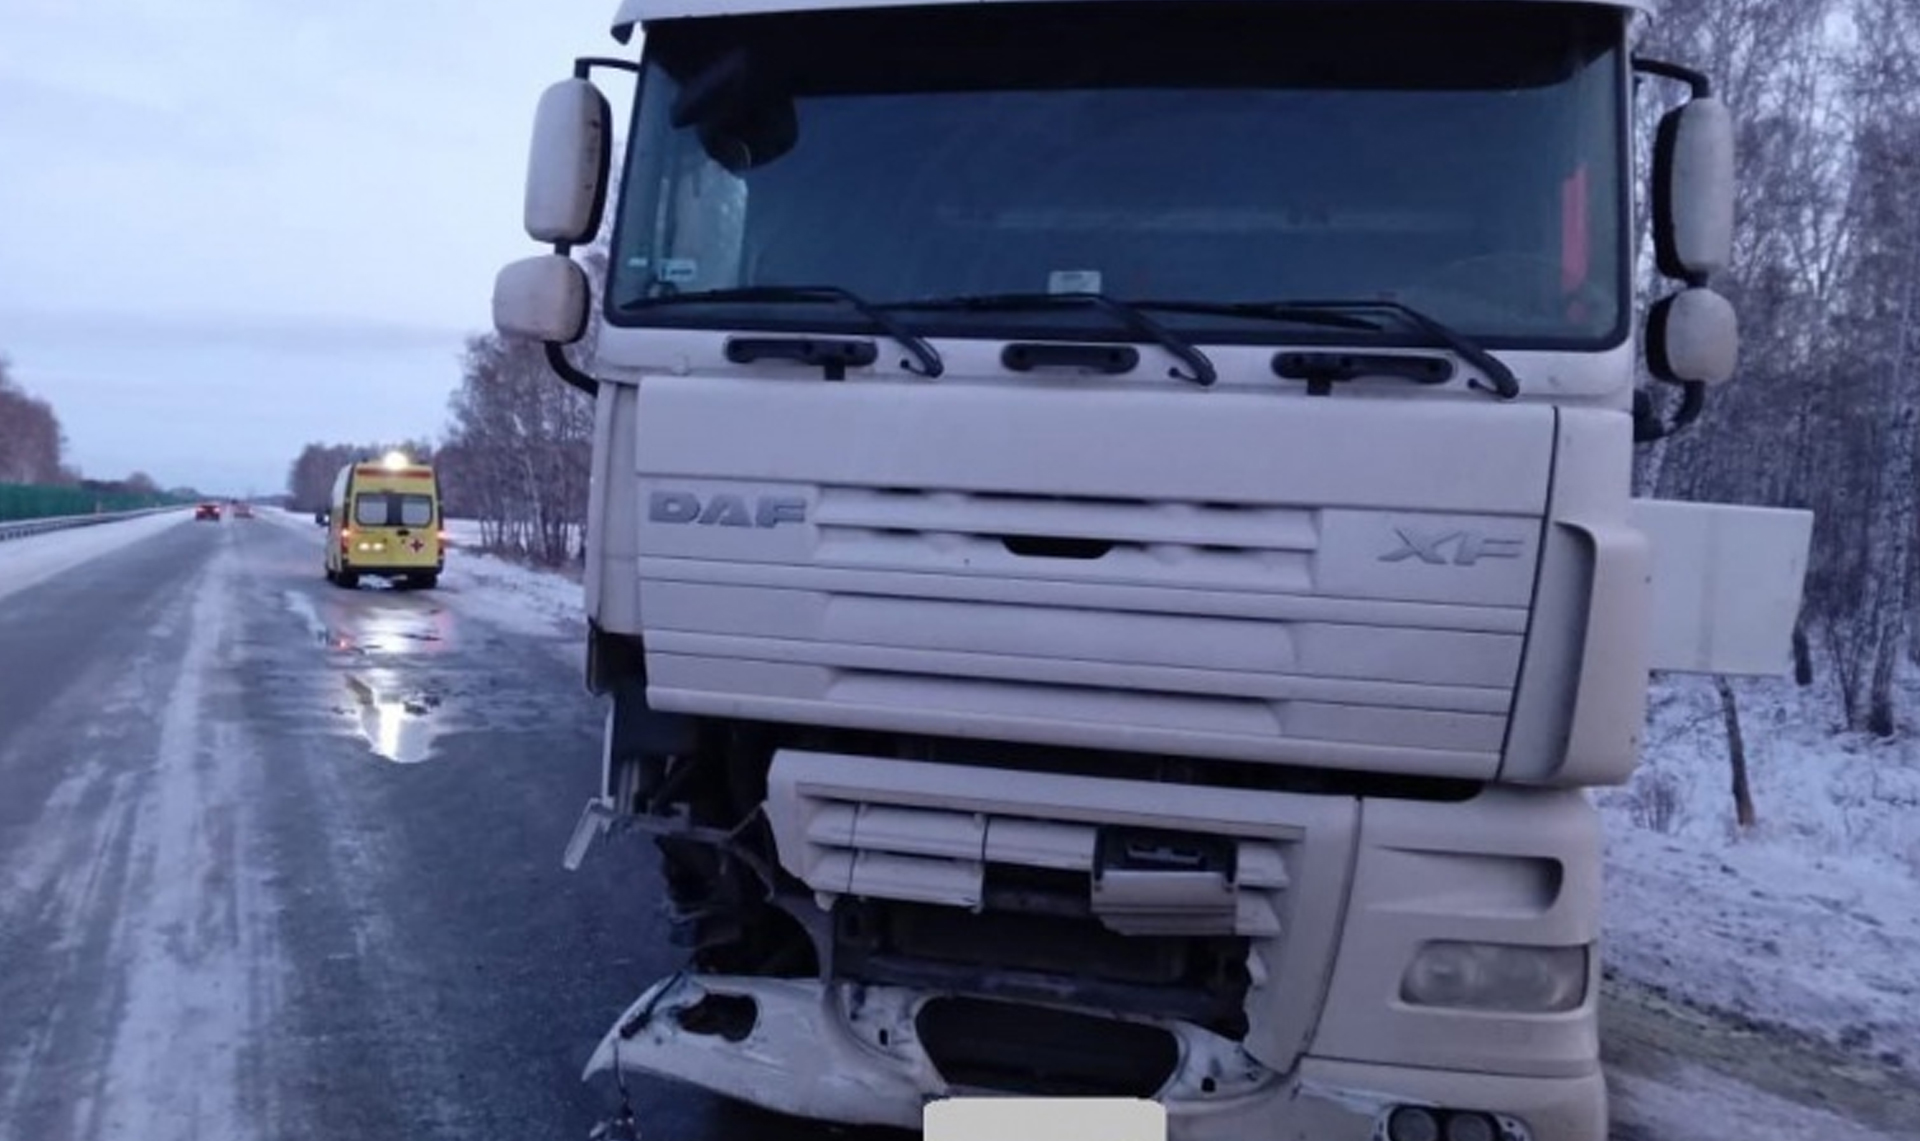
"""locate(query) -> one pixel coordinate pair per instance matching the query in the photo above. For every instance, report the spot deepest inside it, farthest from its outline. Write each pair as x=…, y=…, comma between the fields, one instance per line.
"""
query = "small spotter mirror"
x=542, y=298
x=1693, y=337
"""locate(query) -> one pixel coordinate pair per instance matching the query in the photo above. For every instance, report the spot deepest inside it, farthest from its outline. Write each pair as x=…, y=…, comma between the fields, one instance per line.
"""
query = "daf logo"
x=726, y=510
x=1469, y=547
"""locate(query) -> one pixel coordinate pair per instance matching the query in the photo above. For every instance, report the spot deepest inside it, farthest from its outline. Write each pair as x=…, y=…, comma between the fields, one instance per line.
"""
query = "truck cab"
x=1111, y=553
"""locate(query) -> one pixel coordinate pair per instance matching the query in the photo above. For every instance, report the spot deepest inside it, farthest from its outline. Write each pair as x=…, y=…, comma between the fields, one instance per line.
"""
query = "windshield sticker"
x=679, y=271
x=1073, y=281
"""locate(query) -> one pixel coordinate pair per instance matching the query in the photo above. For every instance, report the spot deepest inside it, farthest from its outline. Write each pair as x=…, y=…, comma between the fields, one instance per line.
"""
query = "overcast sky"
x=229, y=227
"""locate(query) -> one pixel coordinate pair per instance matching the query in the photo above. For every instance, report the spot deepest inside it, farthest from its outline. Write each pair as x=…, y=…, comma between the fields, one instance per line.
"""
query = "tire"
x=423, y=581
x=347, y=579
x=327, y=573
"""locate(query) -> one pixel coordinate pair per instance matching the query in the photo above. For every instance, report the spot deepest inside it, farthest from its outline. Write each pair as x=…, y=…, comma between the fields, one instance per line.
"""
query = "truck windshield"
x=1463, y=158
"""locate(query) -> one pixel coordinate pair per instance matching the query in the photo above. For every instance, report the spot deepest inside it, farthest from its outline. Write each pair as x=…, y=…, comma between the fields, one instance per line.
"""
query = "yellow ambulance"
x=383, y=519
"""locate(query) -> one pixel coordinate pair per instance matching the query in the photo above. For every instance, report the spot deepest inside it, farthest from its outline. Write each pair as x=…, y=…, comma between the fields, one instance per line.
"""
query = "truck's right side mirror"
x=1693, y=190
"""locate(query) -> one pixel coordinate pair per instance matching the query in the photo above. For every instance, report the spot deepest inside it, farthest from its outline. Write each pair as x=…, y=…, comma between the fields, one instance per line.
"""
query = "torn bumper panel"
x=854, y=1055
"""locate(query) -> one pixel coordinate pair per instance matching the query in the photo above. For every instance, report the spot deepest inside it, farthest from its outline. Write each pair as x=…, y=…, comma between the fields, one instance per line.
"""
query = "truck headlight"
x=1497, y=976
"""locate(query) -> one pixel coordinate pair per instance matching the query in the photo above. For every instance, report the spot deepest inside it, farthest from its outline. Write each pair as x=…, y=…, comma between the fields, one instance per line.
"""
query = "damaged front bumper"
x=852, y=1054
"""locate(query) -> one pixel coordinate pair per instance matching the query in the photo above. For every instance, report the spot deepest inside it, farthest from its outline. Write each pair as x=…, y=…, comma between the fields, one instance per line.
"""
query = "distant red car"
x=207, y=511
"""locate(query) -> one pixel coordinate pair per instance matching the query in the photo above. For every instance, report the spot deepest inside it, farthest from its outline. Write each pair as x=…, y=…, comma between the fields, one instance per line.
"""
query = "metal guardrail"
x=21, y=528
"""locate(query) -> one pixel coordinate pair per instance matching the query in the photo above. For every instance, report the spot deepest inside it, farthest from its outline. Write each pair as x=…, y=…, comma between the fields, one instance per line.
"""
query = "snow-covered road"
x=282, y=862
x=30, y=561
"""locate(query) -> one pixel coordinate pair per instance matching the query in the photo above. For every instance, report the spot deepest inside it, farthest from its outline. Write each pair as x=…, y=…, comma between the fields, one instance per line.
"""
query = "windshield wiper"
x=1505, y=384
x=1203, y=373
x=931, y=363
x=1260, y=310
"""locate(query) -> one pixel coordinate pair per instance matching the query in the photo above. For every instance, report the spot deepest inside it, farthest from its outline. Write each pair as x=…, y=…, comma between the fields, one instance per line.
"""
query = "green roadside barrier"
x=39, y=501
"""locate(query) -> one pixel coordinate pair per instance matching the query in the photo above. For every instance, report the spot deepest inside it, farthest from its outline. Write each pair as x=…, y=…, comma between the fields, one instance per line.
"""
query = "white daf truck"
x=1112, y=555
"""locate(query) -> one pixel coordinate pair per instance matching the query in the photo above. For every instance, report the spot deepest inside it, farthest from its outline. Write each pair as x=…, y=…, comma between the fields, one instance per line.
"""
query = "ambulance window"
x=370, y=510
x=416, y=510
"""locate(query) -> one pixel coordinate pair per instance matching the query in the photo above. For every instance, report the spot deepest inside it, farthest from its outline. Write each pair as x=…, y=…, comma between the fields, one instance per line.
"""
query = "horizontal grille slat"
x=844, y=510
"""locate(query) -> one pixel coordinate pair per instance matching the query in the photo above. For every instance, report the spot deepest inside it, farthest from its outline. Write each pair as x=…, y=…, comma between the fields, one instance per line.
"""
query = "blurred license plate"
x=1044, y=1119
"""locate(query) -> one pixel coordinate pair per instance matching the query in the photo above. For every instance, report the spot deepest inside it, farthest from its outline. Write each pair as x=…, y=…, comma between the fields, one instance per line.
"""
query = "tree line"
x=32, y=444
x=33, y=448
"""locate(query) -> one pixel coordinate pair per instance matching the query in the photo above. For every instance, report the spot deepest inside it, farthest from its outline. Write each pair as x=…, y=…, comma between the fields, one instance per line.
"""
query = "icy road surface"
x=281, y=861
x=28, y=561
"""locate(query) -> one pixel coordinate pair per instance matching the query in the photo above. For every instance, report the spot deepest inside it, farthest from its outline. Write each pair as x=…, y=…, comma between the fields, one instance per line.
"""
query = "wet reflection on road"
x=398, y=726
x=393, y=707
x=375, y=624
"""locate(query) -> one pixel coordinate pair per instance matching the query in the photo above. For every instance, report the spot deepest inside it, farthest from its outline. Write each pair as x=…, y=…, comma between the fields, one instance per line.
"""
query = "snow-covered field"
x=36, y=558
x=1811, y=920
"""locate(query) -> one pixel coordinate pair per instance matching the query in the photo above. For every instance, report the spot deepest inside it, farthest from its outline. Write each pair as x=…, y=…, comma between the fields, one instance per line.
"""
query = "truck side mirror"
x=1693, y=190
x=567, y=164
x=1693, y=337
x=543, y=298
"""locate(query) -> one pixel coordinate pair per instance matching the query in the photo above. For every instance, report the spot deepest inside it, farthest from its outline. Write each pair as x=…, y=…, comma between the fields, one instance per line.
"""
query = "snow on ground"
x=519, y=597
x=509, y=594
x=1693, y=1102
x=1811, y=921
x=36, y=558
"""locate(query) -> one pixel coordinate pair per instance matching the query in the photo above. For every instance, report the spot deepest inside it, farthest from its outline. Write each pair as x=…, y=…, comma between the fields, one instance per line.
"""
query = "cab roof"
x=634, y=12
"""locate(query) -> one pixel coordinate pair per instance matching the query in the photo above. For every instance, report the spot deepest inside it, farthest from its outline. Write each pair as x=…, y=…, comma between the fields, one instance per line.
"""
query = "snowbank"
x=525, y=600
x=36, y=558
x=1811, y=920
x=521, y=598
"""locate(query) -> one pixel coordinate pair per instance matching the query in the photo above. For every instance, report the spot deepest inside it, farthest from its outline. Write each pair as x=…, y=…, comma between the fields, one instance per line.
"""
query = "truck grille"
x=1212, y=578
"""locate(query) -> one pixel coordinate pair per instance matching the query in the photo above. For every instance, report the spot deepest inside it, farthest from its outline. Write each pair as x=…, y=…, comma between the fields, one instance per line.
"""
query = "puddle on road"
x=398, y=724
x=376, y=629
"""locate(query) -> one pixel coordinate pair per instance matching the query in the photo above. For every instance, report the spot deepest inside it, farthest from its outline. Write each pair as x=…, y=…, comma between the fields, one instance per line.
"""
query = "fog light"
x=1494, y=976
x=1471, y=1127
x=1411, y=1123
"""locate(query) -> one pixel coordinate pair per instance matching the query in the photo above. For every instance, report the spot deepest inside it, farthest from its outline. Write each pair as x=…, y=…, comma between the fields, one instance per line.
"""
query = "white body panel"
x=1727, y=582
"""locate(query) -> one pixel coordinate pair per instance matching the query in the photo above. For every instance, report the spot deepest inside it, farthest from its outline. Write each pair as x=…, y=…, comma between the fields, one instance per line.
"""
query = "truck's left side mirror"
x=567, y=164
x=1693, y=190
